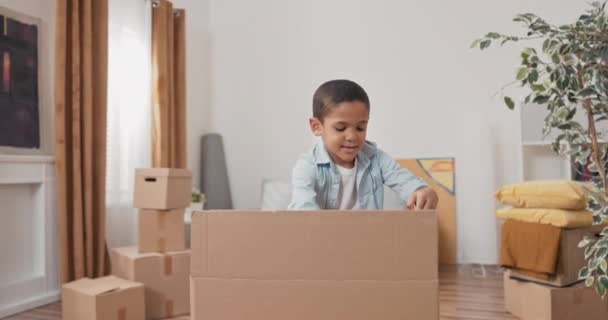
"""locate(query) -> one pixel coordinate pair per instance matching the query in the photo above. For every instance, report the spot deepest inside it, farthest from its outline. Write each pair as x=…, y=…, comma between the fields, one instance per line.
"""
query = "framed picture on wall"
x=19, y=82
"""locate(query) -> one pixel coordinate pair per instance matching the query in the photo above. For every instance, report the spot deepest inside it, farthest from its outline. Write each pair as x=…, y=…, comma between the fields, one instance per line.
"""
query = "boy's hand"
x=424, y=198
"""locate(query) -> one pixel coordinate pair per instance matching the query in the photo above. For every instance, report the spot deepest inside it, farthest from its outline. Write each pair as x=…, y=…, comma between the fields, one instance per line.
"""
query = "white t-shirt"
x=347, y=197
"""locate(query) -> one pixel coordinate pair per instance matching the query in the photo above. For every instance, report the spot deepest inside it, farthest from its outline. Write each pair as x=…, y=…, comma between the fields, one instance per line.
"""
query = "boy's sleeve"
x=303, y=195
x=399, y=179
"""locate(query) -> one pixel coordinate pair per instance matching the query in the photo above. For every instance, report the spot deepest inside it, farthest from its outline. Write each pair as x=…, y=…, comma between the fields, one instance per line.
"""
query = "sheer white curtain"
x=129, y=113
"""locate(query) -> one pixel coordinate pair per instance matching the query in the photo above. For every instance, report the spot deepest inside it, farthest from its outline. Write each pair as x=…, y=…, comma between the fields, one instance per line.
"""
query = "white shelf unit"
x=539, y=162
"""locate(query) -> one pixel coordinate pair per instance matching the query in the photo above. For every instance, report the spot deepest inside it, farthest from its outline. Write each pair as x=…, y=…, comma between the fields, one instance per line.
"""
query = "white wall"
x=431, y=95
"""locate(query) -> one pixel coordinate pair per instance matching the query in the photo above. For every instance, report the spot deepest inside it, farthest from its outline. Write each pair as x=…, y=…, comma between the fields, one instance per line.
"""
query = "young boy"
x=343, y=170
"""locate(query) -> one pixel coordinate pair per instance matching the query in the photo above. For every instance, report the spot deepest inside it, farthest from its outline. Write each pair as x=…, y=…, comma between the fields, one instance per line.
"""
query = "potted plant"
x=198, y=200
x=565, y=69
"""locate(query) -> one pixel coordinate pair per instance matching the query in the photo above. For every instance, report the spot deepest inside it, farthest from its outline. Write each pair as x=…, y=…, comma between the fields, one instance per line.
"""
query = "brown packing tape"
x=122, y=313
x=168, y=264
x=169, y=306
x=161, y=244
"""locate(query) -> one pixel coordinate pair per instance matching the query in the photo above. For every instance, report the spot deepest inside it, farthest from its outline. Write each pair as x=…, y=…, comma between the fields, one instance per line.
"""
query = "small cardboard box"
x=165, y=277
x=162, y=188
x=161, y=230
x=531, y=301
x=570, y=258
x=314, y=265
x=107, y=298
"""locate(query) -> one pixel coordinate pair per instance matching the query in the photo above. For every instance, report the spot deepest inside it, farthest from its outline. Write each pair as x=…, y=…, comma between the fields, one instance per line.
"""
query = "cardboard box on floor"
x=314, y=265
x=165, y=277
x=570, y=258
x=107, y=298
x=531, y=301
x=161, y=230
x=162, y=188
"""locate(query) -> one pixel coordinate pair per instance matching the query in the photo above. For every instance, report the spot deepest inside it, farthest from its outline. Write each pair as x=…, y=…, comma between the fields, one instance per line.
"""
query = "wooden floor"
x=470, y=292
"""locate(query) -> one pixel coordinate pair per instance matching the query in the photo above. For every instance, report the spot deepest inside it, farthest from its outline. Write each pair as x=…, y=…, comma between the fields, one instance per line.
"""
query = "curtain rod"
x=156, y=3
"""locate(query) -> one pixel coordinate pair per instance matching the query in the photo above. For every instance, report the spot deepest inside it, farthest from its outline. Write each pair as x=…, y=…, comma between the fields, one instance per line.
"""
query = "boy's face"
x=343, y=131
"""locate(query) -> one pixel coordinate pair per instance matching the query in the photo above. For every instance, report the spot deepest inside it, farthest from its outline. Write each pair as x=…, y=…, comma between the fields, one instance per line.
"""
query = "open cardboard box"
x=314, y=265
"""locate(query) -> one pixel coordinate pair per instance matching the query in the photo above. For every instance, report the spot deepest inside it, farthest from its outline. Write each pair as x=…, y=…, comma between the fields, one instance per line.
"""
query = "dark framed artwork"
x=19, y=80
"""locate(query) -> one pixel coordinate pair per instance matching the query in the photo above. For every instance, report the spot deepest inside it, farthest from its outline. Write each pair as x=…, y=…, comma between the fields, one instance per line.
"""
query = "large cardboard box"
x=107, y=298
x=162, y=188
x=165, y=277
x=534, y=301
x=570, y=258
x=161, y=230
x=314, y=265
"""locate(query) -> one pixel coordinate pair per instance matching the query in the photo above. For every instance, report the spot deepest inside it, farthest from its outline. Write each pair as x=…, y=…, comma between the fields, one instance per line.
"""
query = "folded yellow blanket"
x=553, y=194
x=556, y=217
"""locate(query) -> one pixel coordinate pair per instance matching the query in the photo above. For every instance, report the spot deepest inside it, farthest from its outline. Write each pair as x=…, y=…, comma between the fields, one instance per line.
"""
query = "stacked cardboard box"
x=314, y=265
x=531, y=301
x=153, y=278
x=570, y=259
x=561, y=297
x=160, y=261
x=107, y=298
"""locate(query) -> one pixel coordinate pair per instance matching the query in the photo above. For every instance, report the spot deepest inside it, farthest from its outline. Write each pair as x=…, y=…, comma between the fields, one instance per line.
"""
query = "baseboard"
x=29, y=304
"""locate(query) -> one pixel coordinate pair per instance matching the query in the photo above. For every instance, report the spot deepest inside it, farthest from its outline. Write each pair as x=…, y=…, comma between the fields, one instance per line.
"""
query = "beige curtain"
x=168, y=86
x=80, y=136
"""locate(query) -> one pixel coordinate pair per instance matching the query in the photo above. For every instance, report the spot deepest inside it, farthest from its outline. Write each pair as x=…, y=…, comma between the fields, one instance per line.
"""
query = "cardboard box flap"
x=101, y=286
x=163, y=172
x=315, y=245
x=232, y=299
x=133, y=254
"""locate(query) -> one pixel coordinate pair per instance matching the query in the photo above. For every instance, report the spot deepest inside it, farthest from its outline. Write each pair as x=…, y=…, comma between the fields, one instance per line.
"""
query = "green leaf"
x=589, y=281
x=509, y=103
x=603, y=281
x=555, y=58
x=589, y=91
x=604, y=266
x=540, y=99
x=493, y=35
x=532, y=76
x=552, y=45
x=583, y=243
x=571, y=114
x=589, y=251
x=601, y=290
x=521, y=73
x=546, y=44
x=601, y=253
x=583, y=273
x=538, y=88
x=604, y=232
x=475, y=43
x=484, y=44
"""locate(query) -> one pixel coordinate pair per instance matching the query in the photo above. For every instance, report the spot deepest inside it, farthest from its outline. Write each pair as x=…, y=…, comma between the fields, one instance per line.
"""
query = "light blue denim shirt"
x=316, y=180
